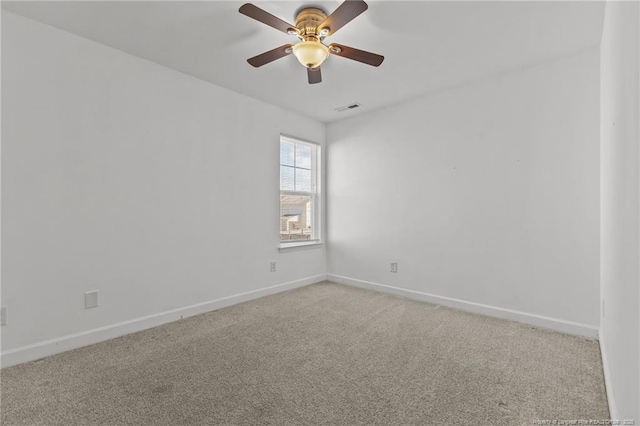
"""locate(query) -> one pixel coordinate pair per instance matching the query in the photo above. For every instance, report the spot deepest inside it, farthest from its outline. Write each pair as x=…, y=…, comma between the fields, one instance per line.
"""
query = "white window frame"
x=315, y=194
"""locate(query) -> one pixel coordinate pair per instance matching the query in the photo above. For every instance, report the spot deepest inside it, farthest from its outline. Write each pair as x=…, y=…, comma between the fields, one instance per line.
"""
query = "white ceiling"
x=428, y=46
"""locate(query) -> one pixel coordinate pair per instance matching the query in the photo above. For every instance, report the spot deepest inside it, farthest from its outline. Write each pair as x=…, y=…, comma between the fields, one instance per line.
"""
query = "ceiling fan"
x=312, y=26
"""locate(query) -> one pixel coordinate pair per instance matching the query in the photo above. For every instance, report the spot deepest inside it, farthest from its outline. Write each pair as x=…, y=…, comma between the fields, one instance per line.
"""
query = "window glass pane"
x=297, y=176
x=303, y=180
x=286, y=178
x=287, y=150
x=296, y=217
x=303, y=156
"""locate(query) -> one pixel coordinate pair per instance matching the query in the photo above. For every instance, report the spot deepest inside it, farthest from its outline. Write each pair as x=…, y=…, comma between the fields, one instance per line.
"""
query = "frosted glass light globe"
x=311, y=53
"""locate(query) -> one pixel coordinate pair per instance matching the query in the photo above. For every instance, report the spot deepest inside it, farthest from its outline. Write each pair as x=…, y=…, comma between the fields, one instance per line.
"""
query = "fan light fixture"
x=311, y=28
x=311, y=54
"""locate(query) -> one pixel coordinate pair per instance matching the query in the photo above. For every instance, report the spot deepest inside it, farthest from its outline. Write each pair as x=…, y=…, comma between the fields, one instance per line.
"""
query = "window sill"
x=285, y=247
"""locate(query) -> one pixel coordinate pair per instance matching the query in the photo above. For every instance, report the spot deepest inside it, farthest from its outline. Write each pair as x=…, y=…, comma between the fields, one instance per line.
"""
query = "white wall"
x=487, y=193
x=620, y=214
x=127, y=177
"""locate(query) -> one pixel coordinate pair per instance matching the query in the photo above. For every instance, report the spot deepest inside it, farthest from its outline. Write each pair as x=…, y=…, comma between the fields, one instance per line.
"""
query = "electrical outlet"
x=91, y=299
x=272, y=267
x=394, y=267
x=4, y=316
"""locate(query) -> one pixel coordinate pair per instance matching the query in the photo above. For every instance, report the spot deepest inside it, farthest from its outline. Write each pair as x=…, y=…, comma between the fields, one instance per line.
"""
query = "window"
x=299, y=192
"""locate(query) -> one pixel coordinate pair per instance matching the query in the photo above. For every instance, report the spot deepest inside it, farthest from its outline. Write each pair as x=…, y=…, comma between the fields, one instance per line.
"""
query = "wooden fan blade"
x=265, y=17
x=356, y=54
x=270, y=56
x=346, y=12
x=314, y=75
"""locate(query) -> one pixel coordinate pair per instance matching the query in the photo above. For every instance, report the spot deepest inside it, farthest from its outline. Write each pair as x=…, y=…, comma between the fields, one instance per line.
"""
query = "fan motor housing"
x=308, y=20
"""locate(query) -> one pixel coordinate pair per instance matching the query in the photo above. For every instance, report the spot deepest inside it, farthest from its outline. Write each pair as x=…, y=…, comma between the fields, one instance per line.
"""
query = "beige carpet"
x=325, y=354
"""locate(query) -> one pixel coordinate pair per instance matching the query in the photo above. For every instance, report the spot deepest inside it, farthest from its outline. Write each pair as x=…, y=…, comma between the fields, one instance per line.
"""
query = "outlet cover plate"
x=91, y=299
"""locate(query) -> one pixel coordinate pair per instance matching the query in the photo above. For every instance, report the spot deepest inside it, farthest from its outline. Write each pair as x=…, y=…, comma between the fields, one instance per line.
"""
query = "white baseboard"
x=89, y=337
x=556, y=324
x=613, y=411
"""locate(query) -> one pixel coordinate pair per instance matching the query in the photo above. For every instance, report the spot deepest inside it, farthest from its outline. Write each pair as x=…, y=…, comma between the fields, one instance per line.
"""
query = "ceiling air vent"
x=348, y=107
